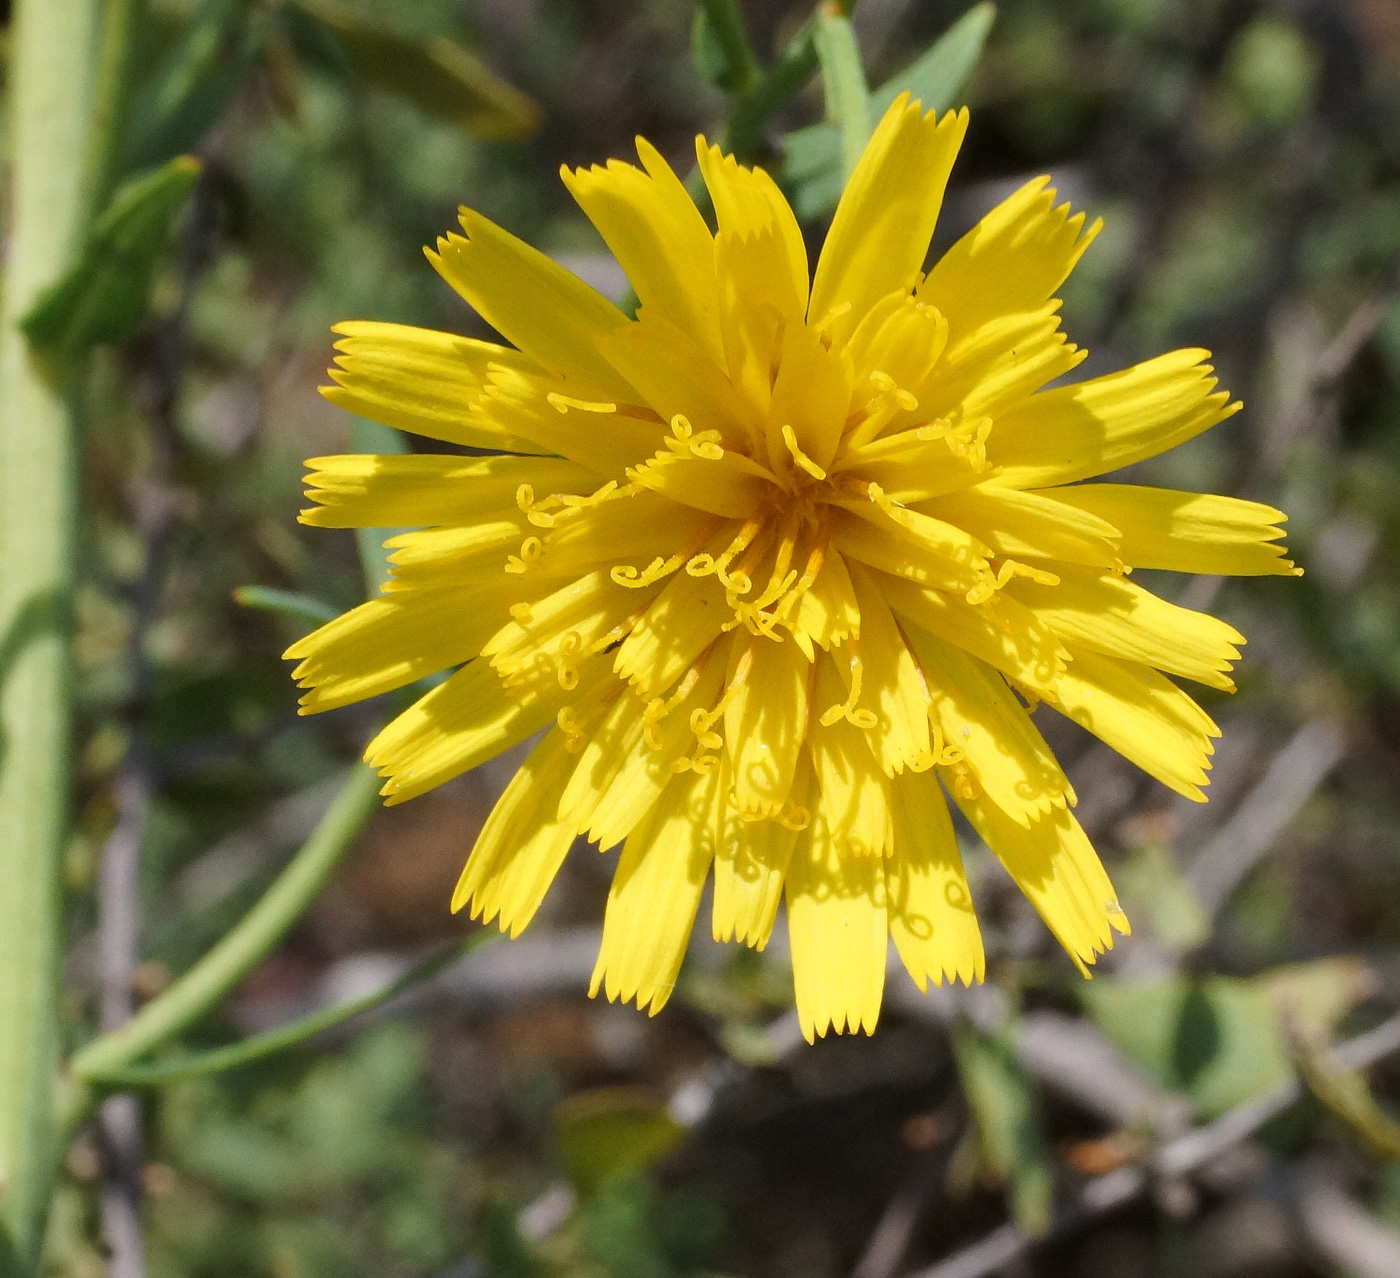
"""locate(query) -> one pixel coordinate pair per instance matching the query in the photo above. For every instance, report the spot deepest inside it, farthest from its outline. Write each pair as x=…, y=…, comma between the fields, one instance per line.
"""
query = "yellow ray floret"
x=777, y=571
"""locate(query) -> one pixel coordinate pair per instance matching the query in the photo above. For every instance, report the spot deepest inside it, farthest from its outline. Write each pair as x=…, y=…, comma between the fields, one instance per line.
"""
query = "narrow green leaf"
x=750, y=112
x=1007, y=1109
x=843, y=81
x=260, y=1046
x=287, y=602
x=1347, y=1094
x=813, y=170
x=205, y=985
x=436, y=74
x=938, y=75
x=105, y=294
x=720, y=47
x=222, y=44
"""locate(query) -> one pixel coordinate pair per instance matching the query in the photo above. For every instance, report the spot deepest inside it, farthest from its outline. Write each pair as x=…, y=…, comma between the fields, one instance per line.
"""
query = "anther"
x=572, y=729
x=529, y=555
x=801, y=458
x=562, y=403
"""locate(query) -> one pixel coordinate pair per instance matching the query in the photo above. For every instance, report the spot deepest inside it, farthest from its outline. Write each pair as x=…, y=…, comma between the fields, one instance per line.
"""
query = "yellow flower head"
x=777, y=566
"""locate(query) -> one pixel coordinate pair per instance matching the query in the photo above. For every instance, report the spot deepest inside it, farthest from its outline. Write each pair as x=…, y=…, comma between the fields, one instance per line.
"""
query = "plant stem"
x=111, y=94
x=843, y=79
x=50, y=78
x=750, y=112
x=259, y=1046
x=211, y=979
x=728, y=25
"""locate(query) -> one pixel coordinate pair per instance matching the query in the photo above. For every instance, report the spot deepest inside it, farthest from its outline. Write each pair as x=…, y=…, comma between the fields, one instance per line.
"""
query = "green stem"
x=314, y=612
x=260, y=1046
x=750, y=113
x=728, y=25
x=211, y=979
x=50, y=89
x=843, y=79
x=110, y=99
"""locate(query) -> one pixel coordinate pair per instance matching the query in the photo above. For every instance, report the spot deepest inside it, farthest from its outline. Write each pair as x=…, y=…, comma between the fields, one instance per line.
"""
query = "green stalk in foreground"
x=52, y=45
x=210, y=980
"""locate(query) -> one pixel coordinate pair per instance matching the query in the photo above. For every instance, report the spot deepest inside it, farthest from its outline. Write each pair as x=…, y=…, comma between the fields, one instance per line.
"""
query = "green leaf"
x=938, y=75
x=843, y=82
x=105, y=294
x=719, y=46
x=1007, y=1109
x=708, y=54
x=287, y=602
x=936, y=78
x=1215, y=1039
x=1347, y=1094
x=611, y=1133
x=260, y=1046
x=221, y=45
x=436, y=74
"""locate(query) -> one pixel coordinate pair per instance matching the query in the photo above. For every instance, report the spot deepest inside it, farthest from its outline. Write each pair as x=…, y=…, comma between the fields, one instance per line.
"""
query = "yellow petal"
x=1112, y=615
x=1035, y=525
x=1056, y=866
x=1012, y=260
x=930, y=905
x=749, y=272
x=1076, y=432
x=418, y=490
x=706, y=484
x=750, y=208
x=828, y=613
x=630, y=530
x=1001, y=632
x=420, y=558
x=996, y=366
x=397, y=638
x=911, y=466
x=900, y=338
x=1187, y=532
x=911, y=545
x=550, y=314
x=673, y=374
x=980, y=718
x=851, y=788
x=647, y=770
x=1142, y=715
x=764, y=723
x=463, y=722
x=522, y=845
x=683, y=622
x=751, y=862
x=812, y=395
x=566, y=626
x=605, y=437
x=658, y=237
x=603, y=757
x=883, y=224
x=655, y=893
x=891, y=684
x=839, y=932
x=422, y=381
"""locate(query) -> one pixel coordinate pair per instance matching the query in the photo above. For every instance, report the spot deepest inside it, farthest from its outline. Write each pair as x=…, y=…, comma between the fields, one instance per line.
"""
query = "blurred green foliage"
x=1246, y=158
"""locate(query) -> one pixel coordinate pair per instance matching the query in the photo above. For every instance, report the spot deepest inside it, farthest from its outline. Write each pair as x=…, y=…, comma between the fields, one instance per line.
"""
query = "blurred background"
x=1245, y=155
